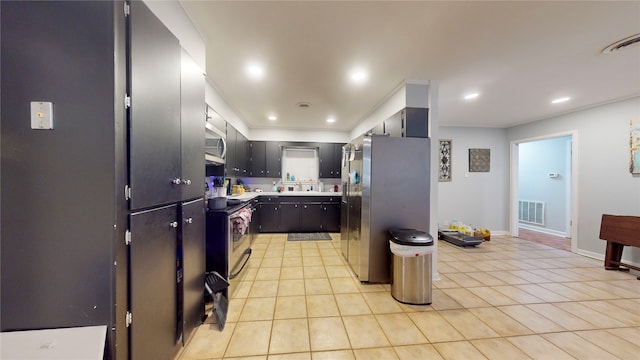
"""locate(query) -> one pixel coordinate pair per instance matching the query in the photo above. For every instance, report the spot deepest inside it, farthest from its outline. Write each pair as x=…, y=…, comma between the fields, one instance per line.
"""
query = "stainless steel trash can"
x=411, y=266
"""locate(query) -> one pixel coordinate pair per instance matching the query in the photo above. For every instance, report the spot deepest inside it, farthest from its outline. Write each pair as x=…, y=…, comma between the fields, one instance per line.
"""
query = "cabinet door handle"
x=188, y=220
x=186, y=181
x=173, y=224
x=176, y=181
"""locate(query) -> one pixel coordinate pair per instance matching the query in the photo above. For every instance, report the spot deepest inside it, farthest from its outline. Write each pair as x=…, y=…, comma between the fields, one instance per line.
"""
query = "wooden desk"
x=619, y=231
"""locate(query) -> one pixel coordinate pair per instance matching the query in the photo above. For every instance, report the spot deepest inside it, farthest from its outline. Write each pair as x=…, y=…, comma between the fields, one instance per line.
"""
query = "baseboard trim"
x=599, y=256
x=543, y=230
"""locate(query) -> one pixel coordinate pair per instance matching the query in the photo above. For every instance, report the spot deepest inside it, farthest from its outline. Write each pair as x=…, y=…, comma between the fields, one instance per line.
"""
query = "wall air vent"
x=633, y=40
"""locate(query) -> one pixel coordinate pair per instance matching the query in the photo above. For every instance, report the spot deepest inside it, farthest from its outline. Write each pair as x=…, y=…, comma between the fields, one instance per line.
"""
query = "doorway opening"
x=543, y=190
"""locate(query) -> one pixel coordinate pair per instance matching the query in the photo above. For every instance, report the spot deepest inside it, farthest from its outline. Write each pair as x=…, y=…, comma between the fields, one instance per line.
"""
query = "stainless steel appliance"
x=229, y=240
x=215, y=138
x=385, y=183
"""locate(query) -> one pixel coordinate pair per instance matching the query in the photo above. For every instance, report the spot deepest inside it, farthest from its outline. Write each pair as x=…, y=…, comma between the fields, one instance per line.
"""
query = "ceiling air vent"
x=633, y=40
x=303, y=105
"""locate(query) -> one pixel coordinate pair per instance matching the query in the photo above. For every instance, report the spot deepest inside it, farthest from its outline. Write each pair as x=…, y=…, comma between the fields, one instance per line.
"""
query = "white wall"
x=604, y=182
x=536, y=160
x=298, y=135
x=480, y=199
x=176, y=20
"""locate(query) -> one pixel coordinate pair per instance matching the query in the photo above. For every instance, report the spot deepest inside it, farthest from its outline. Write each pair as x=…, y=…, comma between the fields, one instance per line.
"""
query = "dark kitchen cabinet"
x=408, y=122
x=415, y=122
x=154, y=235
x=269, y=215
x=193, y=265
x=192, y=118
x=273, y=159
x=289, y=216
x=299, y=214
x=330, y=160
x=258, y=158
x=311, y=217
x=265, y=159
x=238, y=152
x=242, y=155
x=154, y=115
x=331, y=216
x=230, y=164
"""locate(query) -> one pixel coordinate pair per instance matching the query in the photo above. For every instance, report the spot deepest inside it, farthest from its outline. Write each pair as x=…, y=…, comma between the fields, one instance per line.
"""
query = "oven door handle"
x=247, y=254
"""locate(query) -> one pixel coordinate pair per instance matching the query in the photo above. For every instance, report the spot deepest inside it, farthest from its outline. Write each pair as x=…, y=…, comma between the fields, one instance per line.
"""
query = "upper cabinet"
x=193, y=118
x=258, y=158
x=273, y=159
x=409, y=122
x=330, y=160
x=238, y=153
x=154, y=116
x=266, y=159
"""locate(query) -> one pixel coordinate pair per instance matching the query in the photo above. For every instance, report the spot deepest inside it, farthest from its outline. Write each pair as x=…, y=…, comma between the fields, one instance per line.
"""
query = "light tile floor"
x=506, y=299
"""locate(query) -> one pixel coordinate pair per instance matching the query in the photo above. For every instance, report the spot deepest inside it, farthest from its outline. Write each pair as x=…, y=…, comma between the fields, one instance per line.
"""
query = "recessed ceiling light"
x=560, y=100
x=471, y=96
x=359, y=76
x=255, y=71
x=272, y=117
x=331, y=119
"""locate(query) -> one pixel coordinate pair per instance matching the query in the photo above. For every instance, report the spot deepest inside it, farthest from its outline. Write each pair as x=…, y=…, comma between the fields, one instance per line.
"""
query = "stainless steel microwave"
x=215, y=138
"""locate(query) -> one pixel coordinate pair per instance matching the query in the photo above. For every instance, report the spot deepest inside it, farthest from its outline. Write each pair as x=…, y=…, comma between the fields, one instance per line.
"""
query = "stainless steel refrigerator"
x=385, y=184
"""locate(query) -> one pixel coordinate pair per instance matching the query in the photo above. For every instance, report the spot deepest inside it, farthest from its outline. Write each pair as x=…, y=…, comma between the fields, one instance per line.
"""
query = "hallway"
x=557, y=242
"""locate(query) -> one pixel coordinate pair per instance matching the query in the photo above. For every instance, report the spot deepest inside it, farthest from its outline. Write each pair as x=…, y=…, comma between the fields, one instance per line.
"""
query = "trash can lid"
x=410, y=237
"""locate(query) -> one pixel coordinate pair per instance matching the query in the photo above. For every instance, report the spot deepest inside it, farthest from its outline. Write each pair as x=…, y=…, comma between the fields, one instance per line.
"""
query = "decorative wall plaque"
x=479, y=160
x=444, y=167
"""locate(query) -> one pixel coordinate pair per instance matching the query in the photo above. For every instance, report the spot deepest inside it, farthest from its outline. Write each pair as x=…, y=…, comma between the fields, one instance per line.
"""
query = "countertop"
x=242, y=199
x=252, y=195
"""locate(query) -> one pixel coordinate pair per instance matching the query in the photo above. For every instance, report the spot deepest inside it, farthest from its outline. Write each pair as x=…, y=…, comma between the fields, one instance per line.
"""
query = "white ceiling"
x=518, y=55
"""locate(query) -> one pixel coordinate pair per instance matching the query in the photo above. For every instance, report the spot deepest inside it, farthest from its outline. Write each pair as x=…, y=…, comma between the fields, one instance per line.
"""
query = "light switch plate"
x=41, y=115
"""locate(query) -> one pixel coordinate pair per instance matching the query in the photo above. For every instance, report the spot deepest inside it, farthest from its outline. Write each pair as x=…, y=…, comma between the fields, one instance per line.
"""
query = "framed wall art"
x=634, y=144
x=444, y=166
x=479, y=160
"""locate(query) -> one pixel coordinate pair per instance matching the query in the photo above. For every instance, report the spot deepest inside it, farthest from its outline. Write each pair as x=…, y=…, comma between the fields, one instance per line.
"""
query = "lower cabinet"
x=166, y=278
x=331, y=216
x=289, y=217
x=193, y=265
x=311, y=217
x=268, y=216
x=298, y=214
x=153, y=300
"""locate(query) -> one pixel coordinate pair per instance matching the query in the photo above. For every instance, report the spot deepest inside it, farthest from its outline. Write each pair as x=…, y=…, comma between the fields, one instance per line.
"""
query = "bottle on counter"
x=274, y=188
